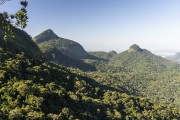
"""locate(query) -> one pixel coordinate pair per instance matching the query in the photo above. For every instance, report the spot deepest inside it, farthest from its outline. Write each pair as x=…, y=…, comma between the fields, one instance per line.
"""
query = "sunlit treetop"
x=7, y=21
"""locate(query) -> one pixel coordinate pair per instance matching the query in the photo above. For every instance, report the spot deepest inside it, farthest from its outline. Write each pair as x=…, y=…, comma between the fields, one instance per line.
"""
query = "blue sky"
x=107, y=24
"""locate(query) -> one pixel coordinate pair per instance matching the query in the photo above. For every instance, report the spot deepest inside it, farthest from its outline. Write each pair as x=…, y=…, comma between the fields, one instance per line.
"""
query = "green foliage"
x=8, y=20
x=22, y=42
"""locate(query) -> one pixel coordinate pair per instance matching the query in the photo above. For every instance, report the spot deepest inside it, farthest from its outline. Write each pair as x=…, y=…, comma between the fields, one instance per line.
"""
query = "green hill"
x=33, y=88
x=133, y=59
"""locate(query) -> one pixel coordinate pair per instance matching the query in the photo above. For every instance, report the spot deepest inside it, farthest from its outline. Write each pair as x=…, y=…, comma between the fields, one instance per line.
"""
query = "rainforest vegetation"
x=53, y=78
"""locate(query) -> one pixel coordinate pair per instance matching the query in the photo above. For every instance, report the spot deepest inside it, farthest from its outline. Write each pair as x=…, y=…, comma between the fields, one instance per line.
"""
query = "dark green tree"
x=7, y=21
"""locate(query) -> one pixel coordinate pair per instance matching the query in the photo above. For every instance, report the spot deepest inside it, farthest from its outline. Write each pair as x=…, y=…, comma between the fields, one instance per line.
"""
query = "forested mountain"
x=48, y=41
x=32, y=88
x=133, y=59
x=137, y=59
x=63, y=51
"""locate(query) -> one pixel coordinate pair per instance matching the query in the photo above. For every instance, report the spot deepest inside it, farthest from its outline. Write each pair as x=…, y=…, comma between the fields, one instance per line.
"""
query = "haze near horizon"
x=107, y=25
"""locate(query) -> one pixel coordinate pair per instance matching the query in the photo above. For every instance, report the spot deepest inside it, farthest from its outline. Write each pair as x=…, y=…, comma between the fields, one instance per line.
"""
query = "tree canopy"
x=18, y=19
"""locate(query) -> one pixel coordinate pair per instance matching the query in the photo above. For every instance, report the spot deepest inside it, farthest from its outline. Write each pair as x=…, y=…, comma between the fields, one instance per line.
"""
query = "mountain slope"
x=22, y=42
x=57, y=57
x=47, y=41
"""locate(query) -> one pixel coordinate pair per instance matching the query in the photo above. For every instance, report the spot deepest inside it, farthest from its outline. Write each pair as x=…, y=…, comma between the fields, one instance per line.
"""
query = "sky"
x=104, y=25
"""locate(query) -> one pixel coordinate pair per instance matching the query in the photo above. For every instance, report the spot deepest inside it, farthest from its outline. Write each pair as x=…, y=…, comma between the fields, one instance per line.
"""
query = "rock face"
x=134, y=48
x=45, y=36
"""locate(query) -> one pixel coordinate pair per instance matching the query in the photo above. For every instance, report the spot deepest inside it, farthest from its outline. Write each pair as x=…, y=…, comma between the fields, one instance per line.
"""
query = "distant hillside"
x=22, y=42
x=103, y=55
x=175, y=58
x=133, y=59
x=137, y=59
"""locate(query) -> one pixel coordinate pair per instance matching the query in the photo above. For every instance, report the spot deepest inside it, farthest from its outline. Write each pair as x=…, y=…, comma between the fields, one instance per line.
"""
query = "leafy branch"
x=7, y=21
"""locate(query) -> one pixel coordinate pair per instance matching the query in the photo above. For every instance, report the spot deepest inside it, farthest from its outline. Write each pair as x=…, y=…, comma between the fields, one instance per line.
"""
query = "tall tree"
x=7, y=21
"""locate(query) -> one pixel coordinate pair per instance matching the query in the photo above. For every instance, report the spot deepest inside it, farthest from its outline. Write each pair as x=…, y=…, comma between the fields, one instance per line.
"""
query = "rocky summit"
x=134, y=48
x=45, y=36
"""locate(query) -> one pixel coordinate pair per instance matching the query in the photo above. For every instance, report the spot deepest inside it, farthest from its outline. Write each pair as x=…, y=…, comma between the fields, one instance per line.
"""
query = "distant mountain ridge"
x=133, y=59
x=175, y=58
x=136, y=58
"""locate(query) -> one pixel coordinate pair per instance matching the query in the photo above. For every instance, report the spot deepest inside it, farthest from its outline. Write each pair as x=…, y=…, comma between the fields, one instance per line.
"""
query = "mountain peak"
x=134, y=48
x=49, y=31
x=45, y=36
